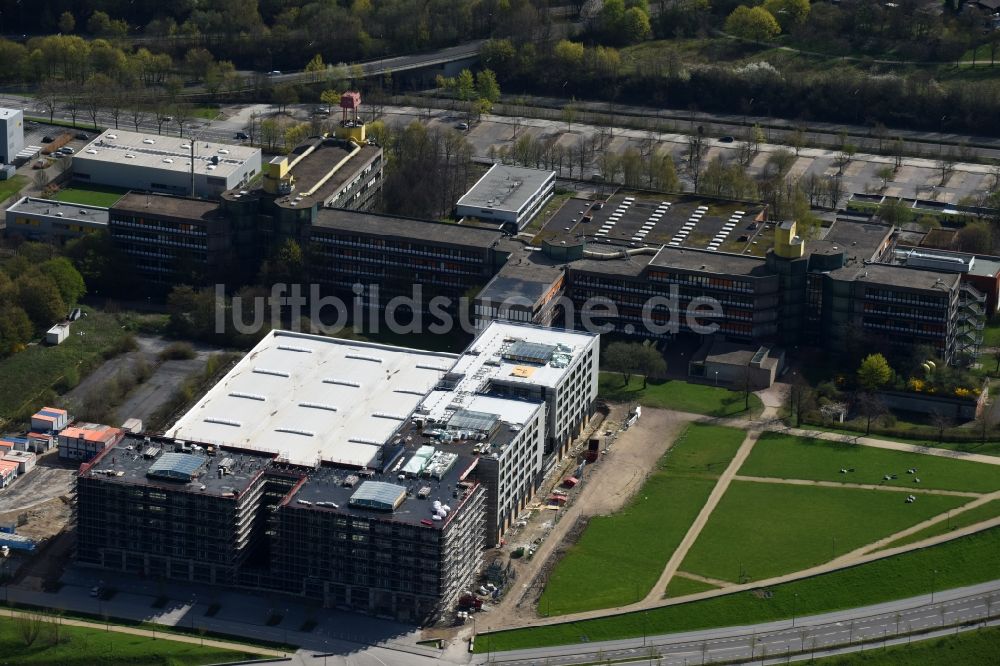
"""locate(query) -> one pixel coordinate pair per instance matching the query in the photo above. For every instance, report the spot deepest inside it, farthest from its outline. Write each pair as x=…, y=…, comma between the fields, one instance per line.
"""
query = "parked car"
x=40, y=164
x=462, y=126
x=58, y=155
x=95, y=591
x=47, y=139
x=66, y=150
x=83, y=136
x=726, y=139
x=242, y=136
x=274, y=72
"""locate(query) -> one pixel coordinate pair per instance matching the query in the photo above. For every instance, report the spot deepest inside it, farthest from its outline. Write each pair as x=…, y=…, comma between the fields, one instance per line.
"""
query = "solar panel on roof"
x=530, y=352
x=466, y=419
x=378, y=495
x=175, y=466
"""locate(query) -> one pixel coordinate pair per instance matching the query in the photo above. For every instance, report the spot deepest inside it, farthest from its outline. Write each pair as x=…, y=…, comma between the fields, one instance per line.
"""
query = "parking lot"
x=677, y=221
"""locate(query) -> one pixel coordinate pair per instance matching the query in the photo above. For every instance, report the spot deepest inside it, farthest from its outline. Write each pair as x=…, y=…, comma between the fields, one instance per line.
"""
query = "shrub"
x=178, y=351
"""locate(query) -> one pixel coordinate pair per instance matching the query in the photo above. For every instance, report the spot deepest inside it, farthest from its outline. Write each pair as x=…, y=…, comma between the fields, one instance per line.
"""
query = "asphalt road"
x=809, y=634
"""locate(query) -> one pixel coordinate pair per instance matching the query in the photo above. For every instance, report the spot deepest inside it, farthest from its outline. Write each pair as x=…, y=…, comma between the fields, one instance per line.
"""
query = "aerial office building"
x=508, y=195
x=54, y=221
x=12, y=131
x=363, y=476
x=167, y=164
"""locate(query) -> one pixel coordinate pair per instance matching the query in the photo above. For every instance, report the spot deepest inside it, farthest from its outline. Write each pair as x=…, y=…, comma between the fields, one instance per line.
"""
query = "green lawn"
x=966, y=561
x=637, y=541
x=991, y=338
x=28, y=374
x=790, y=457
x=991, y=448
x=980, y=647
x=680, y=586
x=964, y=519
x=12, y=186
x=205, y=112
x=90, y=195
x=79, y=646
x=762, y=530
x=682, y=396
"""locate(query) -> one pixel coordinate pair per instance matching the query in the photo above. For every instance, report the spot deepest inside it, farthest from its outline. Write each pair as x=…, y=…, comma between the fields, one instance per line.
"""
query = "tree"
x=39, y=295
x=874, y=372
x=870, y=407
x=753, y=24
x=975, y=237
x=569, y=115
x=648, y=361
x=15, y=328
x=619, y=357
x=788, y=13
x=330, y=97
x=284, y=95
x=99, y=23
x=941, y=422
x=895, y=212
x=316, y=67
x=885, y=173
x=67, y=279
x=67, y=24
x=29, y=626
x=801, y=398
x=487, y=87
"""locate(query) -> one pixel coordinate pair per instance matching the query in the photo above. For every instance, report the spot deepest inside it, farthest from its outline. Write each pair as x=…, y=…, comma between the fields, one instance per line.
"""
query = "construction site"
x=383, y=507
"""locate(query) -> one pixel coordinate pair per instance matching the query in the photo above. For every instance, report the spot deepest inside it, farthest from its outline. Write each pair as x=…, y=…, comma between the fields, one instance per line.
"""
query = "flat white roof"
x=169, y=153
x=310, y=398
x=506, y=188
x=484, y=362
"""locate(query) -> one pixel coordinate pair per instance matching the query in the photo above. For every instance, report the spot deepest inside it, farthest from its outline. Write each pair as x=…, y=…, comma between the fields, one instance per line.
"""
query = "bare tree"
x=941, y=422
x=870, y=407
x=29, y=626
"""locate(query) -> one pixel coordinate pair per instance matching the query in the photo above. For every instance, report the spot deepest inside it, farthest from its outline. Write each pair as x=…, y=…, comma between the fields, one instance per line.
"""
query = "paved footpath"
x=721, y=486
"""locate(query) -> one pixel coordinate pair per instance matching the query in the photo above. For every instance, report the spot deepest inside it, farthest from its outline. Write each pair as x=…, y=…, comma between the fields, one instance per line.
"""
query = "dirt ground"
x=606, y=487
x=44, y=520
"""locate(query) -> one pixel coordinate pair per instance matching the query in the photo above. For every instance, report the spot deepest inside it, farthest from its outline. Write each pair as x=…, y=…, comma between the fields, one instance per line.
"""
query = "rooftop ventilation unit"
x=318, y=405
x=304, y=350
x=362, y=357
x=268, y=371
x=249, y=396
x=341, y=382
x=222, y=421
x=296, y=431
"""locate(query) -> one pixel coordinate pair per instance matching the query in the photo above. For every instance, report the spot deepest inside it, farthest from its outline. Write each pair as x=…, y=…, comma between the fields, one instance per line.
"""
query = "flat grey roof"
x=899, y=276
x=70, y=211
x=169, y=153
x=165, y=204
x=319, y=168
x=861, y=239
x=310, y=398
x=412, y=229
x=506, y=188
x=710, y=262
x=127, y=458
x=525, y=278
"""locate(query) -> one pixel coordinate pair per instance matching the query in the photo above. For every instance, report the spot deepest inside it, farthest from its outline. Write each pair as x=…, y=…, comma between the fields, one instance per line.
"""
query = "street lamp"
x=795, y=604
x=933, y=581
x=716, y=377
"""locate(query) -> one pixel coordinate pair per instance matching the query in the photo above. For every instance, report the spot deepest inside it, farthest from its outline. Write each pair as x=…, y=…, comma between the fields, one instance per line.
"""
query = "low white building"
x=54, y=221
x=507, y=195
x=168, y=164
x=12, y=131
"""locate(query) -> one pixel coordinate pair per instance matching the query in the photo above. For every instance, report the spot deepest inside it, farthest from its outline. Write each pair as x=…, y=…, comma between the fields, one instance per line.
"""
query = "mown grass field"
x=980, y=647
x=762, y=530
x=788, y=457
x=80, y=646
x=636, y=542
x=678, y=395
x=90, y=195
x=964, y=561
x=12, y=186
x=958, y=521
x=680, y=586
